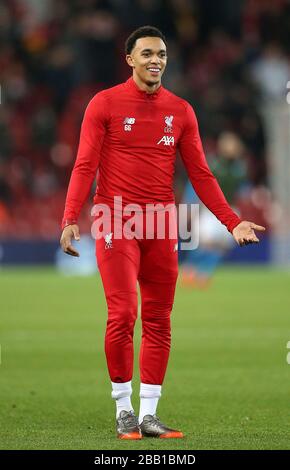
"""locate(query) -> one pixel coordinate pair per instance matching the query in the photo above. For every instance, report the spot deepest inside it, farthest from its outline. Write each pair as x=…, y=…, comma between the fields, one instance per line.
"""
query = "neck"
x=151, y=88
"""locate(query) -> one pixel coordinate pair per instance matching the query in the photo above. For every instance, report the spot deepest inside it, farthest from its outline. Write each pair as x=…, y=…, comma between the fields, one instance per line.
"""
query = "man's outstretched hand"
x=244, y=233
x=70, y=232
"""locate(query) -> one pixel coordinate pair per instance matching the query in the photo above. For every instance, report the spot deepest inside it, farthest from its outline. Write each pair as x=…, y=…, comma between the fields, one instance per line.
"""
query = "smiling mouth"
x=154, y=70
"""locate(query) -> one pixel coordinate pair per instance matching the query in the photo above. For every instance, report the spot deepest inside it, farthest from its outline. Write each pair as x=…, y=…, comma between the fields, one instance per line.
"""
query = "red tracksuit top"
x=130, y=137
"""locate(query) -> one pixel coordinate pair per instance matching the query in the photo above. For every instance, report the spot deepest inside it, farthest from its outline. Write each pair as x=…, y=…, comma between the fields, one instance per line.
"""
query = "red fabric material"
x=65, y=223
x=154, y=264
x=137, y=162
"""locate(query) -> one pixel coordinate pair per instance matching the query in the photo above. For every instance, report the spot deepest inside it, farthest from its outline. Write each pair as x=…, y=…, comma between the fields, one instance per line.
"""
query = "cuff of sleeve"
x=67, y=222
x=236, y=221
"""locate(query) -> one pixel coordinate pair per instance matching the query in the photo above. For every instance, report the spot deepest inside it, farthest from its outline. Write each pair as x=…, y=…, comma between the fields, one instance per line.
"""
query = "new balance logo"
x=167, y=140
x=128, y=121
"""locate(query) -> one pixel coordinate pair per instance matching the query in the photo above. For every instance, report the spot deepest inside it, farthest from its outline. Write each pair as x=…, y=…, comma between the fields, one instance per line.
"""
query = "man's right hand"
x=70, y=232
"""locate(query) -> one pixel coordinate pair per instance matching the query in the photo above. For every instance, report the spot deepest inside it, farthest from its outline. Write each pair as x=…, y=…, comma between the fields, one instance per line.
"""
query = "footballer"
x=129, y=138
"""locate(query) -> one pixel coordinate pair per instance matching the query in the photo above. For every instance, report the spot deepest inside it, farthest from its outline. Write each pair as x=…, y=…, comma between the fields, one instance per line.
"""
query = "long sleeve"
x=202, y=179
x=88, y=156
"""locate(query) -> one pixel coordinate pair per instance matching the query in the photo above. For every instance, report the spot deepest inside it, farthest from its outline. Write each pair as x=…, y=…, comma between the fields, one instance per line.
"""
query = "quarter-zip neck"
x=133, y=87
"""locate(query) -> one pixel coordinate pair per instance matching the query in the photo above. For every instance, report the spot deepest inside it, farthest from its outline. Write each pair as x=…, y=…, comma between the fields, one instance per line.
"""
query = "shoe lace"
x=156, y=421
x=130, y=420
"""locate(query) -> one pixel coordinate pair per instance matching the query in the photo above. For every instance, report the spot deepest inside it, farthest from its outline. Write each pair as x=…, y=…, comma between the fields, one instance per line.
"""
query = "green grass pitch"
x=227, y=384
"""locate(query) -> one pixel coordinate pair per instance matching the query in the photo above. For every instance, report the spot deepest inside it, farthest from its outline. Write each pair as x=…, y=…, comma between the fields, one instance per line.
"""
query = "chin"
x=152, y=82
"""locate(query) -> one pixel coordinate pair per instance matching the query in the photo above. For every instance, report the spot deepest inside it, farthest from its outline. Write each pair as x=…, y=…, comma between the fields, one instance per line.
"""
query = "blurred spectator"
x=229, y=166
x=271, y=71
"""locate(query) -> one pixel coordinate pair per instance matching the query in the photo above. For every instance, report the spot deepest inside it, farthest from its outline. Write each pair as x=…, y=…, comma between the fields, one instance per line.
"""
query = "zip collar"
x=133, y=88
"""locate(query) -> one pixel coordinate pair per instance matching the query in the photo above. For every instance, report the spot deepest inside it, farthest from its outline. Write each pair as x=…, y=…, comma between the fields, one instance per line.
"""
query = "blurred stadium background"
x=230, y=60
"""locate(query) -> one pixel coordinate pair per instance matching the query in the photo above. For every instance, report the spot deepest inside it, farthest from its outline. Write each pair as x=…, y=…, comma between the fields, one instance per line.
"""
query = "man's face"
x=148, y=58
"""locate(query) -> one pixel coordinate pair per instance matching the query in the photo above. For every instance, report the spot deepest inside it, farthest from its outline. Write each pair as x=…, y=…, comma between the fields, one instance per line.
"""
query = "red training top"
x=131, y=137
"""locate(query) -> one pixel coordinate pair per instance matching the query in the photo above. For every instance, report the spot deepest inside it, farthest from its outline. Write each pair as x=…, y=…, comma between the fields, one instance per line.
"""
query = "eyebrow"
x=150, y=50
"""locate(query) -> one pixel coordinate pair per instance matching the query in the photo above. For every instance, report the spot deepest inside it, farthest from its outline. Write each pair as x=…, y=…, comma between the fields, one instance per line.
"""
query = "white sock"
x=149, y=396
x=121, y=392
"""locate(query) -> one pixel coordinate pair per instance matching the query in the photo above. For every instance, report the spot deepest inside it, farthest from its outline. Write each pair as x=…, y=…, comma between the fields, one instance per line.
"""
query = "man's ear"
x=130, y=61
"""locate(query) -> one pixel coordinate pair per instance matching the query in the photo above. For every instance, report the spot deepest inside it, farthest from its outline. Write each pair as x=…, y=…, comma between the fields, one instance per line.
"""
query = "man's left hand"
x=244, y=233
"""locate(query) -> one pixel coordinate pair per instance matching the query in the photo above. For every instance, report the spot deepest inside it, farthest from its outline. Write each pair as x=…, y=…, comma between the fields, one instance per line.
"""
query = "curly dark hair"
x=142, y=32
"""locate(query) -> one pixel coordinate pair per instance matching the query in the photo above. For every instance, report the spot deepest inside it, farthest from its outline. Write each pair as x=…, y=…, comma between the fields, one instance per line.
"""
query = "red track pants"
x=154, y=264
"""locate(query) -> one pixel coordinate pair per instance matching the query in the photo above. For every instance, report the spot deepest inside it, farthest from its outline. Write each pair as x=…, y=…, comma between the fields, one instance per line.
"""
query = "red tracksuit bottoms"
x=154, y=264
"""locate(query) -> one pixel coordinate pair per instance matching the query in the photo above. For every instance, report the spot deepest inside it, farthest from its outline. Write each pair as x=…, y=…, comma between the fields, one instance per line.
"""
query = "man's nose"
x=155, y=60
